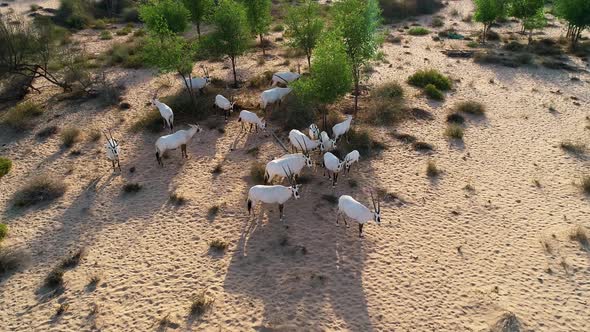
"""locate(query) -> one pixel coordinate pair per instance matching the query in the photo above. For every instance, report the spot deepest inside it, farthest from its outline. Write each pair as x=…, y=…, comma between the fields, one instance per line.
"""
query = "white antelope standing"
x=113, y=150
x=252, y=119
x=165, y=112
x=173, y=141
x=351, y=158
x=273, y=96
x=342, y=128
x=332, y=164
x=284, y=78
x=199, y=83
x=293, y=162
x=273, y=194
x=224, y=104
x=314, y=131
x=354, y=210
x=301, y=141
x=326, y=143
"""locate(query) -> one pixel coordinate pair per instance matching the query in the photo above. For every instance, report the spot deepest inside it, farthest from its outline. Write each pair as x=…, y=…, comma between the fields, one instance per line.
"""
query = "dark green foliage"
x=259, y=19
x=40, y=189
x=430, y=76
x=5, y=166
x=126, y=55
x=295, y=112
x=418, y=31
x=304, y=27
x=199, y=10
x=164, y=17
x=433, y=92
x=105, y=35
x=73, y=14
x=486, y=12
x=577, y=14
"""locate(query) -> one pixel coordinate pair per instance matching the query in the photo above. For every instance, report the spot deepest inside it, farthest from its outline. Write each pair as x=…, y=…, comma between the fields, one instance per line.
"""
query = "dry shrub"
x=218, y=245
x=3, y=231
x=55, y=278
x=580, y=234
x=200, y=304
x=260, y=81
x=43, y=188
x=5, y=166
x=455, y=118
x=454, y=131
x=431, y=169
x=131, y=188
x=150, y=121
x=21, y=115
x=73, y=259
x=257, y=171
x=507, y=322
x=362, y=141
x=471, y=107
x=69, y=136
x=177, y=199
x=387, y=105
x=586, y=184
x=10, y=260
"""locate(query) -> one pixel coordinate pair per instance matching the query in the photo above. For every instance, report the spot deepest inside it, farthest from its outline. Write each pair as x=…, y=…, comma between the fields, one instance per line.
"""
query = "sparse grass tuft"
x=177, y=199
x=73, y=259
x=586, y=184
x=55, y=278
x=47, y=132
x=43, y=188
x=433, y=92
x=3, y=231
x=261, y=80
x=200, y=304
x=430, y=76
x=61, y=309
x=20, y=116
x=105, y=35
x=471, y=107
x=69, y=136
x=387, y=105
x=94, y=135
x=257, y=171
x=218, y=245
x=278, y=28
x=431, y=169
x=362, y=141
x=422, y=146
x=573, y=147
x=580, y=234
x=438, y=22
x=454, y=131
x=93, y=281
x=418, y=31
x=10, y=260
x=131, y=187
x=213, y=211
x=5, y=166
x=455, y=118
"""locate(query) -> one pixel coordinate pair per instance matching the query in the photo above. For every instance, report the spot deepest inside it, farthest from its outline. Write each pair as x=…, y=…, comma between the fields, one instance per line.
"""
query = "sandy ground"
x=448, y=259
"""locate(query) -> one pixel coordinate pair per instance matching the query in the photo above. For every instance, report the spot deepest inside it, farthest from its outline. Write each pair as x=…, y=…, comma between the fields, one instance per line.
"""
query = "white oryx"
x=300, y=141
x=113, y=150
x=224, y=104
x=332, y=164
x=173, y=141
x=293, y=162
x=252, y=119
x=342, y=128
x=165, y=112
x=284, y=78
x=272, y=96
x=326, y=143
x=351, y=208
x=199, y=83
x=351, y=158
x=314, y=131
x=273, y=194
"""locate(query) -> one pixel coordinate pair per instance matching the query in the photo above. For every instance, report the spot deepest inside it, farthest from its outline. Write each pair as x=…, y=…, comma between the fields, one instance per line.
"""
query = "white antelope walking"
x=273, y=194
x=199, y=83
x=252, y=119
x=293, y=162
x=351, y=158
x=284, y=78
x=332, y=164
x=351, y=208
x=113, y=150
x=342, y=128
x=326, y=143
x=301, y=141
x=314, y=131
x=165, y=112
x=173, y=141
x=273, y=96
x=224, y=104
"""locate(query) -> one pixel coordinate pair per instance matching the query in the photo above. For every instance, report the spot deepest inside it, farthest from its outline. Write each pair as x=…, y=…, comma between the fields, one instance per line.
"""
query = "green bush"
x=20, y=116
x=3, y=231
x=387, y=105
x=433, y=92
x=430, y=76
x=40, y=189
x=5, y=166
x=74, y=14
x=130, y=15
x=105, y=35
x=278, y=28
x=362, y=141
x=100, y=25
x=124, y=32
x=437, y=22
x=418, y=31
x=295, y=112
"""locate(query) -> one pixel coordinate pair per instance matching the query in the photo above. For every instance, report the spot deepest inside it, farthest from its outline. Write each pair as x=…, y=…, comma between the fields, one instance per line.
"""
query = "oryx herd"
x=288, y=166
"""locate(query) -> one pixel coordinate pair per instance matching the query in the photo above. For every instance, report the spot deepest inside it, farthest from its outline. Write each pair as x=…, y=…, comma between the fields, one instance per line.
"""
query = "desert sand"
x=444, y=259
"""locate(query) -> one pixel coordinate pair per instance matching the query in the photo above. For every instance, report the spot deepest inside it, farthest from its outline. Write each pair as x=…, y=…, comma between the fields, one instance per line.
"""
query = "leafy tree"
x=486, y=12
x=304, y=26
x=357, y=21
x=164, y=17
x=199, y=10
x=232, y=33
x=577, y=14
x=259, y=18
x=525, y=9
x=537, y=21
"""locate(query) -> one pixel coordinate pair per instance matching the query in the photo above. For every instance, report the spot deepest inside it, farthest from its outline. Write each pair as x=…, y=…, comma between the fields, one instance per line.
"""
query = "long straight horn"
x=300, y=146
x=292, y=176
x=373, y=200
x=288, y=175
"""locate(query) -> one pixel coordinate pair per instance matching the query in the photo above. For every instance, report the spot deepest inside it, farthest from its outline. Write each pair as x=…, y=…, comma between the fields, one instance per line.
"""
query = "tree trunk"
x=189, y=88
x=262, y=45
x=199, y=30
x=309, y=61
x=485, y=32
x=530, y=36
x=356, y=89
x=233, y=66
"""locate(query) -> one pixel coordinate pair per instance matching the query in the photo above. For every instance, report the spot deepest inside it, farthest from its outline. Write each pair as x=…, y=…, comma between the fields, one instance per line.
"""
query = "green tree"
x=199, y=10
x=357, y=21
x=164, y=17
x=577, y=14
x=537, y=21
x=486, y=12
x=259, y=19
x=232, y=33
x=304, y=27
x=525, y=9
